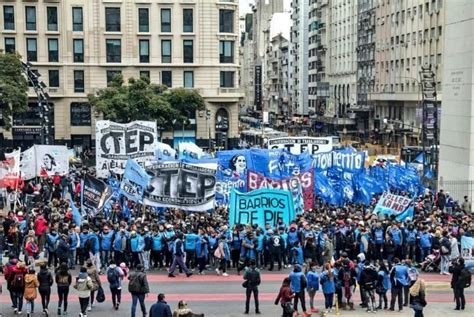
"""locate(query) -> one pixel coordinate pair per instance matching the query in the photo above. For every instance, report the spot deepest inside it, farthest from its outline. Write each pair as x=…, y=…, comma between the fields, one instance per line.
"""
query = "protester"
x=45, y=280
x=84, y=287
x=30, y=294
x=251, y=282
x=312, y=278
x=327, y=282
x=16, y=285
x=63, y=281
x=94, y=276
x=383, y=285
x=399, y=279
x=138, y=287
x=160, y=308
x=298, y=284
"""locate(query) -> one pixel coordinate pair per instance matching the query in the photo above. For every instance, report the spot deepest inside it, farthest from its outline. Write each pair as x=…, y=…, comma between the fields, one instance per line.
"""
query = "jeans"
x=84, y=302
x=312, y=294
x=299, y=296
x=30, y=306
x=178, y=260
x=116, y=295
x=459, y=297
x=418, y=313
x=444, y=264
x=72, y=258
x=105, y=255
x=63, y=292
x=248, y=293
x=328, y=299
x=45, y=297
x=17, y=300
x=146, y=260
x=141, y=298
x=95, y=258
x=397, y=292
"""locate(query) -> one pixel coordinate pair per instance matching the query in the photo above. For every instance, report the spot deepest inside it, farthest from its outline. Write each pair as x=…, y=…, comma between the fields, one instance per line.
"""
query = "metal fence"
x=458, y=189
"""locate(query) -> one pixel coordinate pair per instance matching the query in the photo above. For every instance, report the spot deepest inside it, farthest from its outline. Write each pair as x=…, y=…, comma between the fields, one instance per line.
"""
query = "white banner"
x=10, y=169
x=28, y=163
x=51, y=160
x=116, y=143
x=181, y=185
x=298, y=145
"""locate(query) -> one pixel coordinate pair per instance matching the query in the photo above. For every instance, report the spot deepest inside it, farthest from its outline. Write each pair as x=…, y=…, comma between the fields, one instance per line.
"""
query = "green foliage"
x=142, y=100
x=13, y=87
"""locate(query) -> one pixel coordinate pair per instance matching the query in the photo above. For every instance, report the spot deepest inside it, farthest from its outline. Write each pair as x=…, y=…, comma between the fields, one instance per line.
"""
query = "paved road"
x=223, y=296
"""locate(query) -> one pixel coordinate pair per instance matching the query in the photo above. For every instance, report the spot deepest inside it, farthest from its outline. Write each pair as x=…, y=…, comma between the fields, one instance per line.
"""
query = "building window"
x=111, y=74
x=143, y=20
x=10, y=45
x=226, y=21
x=8, y=18
x=77, y=19
x=53, y=50
x=167, y=78
x=145, y=74
x=114, y=51
x=188, y=20
x=144, y=46
x=78, y=81
x=165, y=20
x=52, y=17
x=227, y=79
x=31, y=50
x=30, y=13
x=112, y=19
x=226, y=51
x=80, y=114
x=188, y=79
x=78, y=47
x=188, y=51
x=53, y=75
x=166, y=51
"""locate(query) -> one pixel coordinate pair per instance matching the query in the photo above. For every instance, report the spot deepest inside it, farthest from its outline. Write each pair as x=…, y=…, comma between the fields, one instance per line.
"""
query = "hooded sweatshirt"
x=83, y=285
x=31, y=283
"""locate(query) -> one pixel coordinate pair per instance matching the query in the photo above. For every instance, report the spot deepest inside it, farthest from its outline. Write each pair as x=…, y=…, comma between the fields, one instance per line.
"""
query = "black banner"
x=94, y=194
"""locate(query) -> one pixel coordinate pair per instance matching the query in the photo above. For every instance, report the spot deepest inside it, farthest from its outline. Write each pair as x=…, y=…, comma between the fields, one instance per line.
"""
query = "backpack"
x=63, y=280
x=18, y=280
x=465, y=278
x=112, y=277
x=412, y=274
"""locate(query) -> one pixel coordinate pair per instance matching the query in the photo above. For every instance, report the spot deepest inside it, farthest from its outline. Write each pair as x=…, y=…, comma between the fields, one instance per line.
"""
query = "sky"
x=245, y=5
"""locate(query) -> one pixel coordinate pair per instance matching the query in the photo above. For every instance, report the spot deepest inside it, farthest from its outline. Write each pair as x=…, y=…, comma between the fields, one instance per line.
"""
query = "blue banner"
x=394, y=205
x=134, y=182
x=261, y=207
x=346, y=160
x=467, y=251
x=76, y=215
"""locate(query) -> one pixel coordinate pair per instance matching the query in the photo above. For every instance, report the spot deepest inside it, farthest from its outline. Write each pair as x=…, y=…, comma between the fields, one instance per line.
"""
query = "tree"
x=142, y=100
x=13, y=87
x=185, y=101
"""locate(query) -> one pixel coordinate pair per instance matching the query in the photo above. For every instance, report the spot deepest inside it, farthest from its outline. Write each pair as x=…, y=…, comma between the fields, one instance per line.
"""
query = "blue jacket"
x=379, y=236
x=157, y=242
x=106, y=240
x=202, y=250
x=260, y=242
x=400, y=276
x=51, y=240
x=160, y=309
x=396, y=236
x=118, y=241
x=137, y=243
x=313, y=280
x=410, y=236
x=95, y=245
x=190, y=242
x=297, y=255
x=73, y=237
x=236, y=243
x=292, y=237
x=425, y=240
x=327, y=283
x=385, y=280
x=170, y=243
x=83, y=237
x=295, y=281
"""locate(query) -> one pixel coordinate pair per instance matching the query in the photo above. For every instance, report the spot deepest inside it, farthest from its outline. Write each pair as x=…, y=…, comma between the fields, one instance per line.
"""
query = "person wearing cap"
x=276, y=249
x=178, y=257
x=52, y=245
x=106, y=238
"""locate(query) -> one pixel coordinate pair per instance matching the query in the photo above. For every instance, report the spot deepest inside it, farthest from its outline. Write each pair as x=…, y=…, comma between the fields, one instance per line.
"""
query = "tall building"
x=456, y=162
x=409, y=34
x=299, y=50
x=365, y=65
x=78, y=46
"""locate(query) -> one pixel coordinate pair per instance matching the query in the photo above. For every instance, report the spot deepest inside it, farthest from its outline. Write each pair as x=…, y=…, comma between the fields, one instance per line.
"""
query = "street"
x=224, y=296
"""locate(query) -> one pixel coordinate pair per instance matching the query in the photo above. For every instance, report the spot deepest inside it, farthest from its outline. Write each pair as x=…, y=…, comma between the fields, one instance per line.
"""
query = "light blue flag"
x=134, y=182
x=76, y=215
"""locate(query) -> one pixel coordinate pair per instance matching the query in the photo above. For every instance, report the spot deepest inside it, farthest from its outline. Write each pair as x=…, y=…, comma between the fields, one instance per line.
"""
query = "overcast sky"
x=245, y=5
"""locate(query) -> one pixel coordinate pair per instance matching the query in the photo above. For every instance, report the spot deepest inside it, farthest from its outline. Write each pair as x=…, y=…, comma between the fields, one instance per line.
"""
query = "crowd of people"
x=328, y=248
